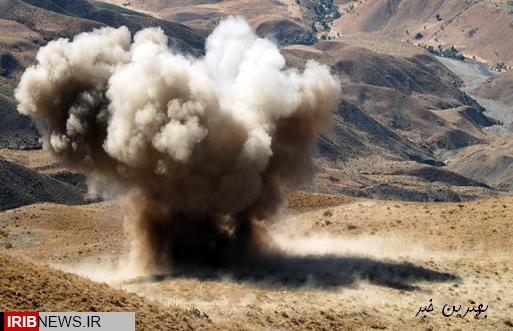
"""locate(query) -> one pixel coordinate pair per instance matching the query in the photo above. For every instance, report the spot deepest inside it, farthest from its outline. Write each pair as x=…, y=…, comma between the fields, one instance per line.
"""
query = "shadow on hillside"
x=322, y=272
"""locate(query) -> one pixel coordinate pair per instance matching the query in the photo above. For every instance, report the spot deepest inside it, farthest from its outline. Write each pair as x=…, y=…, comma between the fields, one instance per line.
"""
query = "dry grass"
x=61, y=234
x=301, y=201
x=26, y=286
x=370, y=242
x=39, y=160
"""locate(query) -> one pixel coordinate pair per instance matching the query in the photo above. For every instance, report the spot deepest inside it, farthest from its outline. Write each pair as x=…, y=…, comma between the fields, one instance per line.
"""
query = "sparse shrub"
x=452, y=52
x=337, y=13
x=472, y=32
x=307, y=38
x=197, y=313
x=8, y=245
x=351, y=227
x=419, y=35
x=500, y=67
x=328, y=213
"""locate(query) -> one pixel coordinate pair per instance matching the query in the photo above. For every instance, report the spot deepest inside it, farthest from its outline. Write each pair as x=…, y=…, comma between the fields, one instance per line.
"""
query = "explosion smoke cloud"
x=203, y=145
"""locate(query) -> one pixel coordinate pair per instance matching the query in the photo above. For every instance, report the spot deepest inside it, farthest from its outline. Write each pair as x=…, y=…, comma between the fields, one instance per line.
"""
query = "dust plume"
x=204, y=147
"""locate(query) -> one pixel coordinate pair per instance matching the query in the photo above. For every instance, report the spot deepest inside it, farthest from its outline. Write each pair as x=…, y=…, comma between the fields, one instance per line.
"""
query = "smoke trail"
x=203, y=146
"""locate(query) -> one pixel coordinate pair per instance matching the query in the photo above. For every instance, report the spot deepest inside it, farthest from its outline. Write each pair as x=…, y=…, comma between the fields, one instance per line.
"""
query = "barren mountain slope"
x=281, y=19
x=20, y=186
x=402, y=93
x=498, y=88
x=491, y=164
x=480, y=29
x=403, y=107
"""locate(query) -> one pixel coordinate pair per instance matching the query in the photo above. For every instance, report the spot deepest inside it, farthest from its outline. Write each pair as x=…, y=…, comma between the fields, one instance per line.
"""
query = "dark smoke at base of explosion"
x=203, y=147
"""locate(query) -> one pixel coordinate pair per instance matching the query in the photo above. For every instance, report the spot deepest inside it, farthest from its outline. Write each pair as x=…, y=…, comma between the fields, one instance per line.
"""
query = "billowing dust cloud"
x=204, y=146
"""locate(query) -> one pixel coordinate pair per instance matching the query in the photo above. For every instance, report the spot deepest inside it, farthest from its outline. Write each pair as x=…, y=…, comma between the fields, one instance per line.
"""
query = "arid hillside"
x=288, y=21
x=491, y=163
x=21, y=186
x=498, y=88
x=477, y=29
x=27, y=286
x=396, y=109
